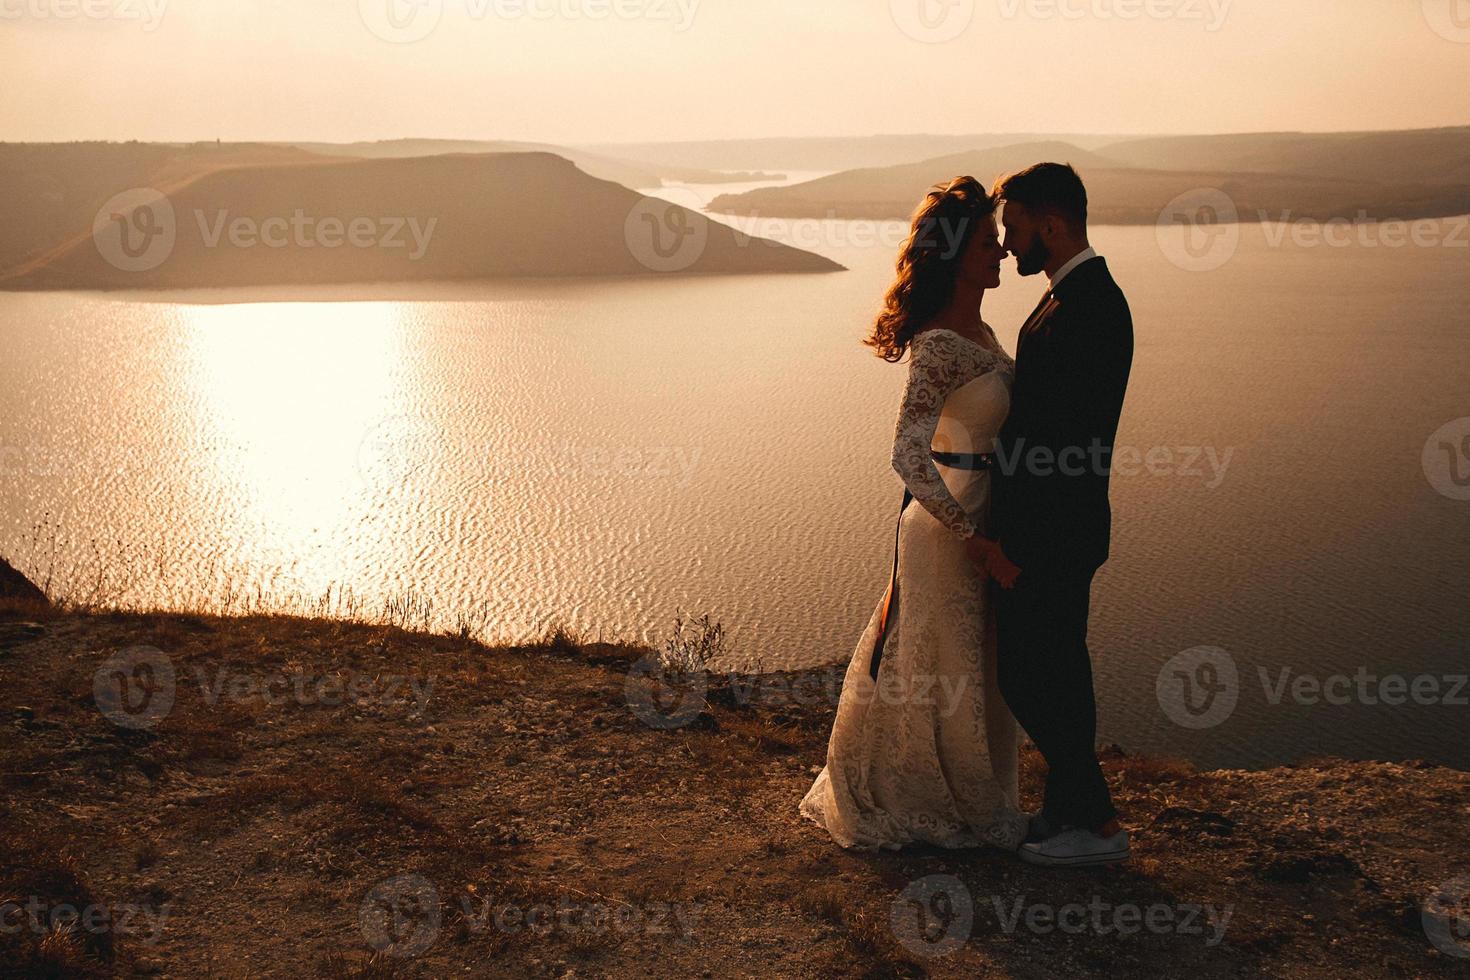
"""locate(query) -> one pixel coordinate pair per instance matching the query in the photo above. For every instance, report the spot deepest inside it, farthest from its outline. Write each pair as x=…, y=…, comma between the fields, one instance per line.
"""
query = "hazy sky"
x=555, y=70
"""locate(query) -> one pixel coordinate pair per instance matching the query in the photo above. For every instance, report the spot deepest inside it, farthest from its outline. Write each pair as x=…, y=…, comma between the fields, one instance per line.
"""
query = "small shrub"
x=693, y=645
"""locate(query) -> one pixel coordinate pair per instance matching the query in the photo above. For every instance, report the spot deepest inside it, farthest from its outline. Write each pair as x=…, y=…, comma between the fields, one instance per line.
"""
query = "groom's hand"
x=1001, y=568
x=978, y=548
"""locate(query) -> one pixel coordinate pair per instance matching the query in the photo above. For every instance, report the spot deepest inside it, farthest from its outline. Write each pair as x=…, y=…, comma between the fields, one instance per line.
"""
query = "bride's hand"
x=980, y=549
x=1001, y=568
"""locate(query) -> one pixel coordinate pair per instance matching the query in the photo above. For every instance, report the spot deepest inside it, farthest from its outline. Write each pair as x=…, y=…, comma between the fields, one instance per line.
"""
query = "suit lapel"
x=1050, y=303
x=1044, y=309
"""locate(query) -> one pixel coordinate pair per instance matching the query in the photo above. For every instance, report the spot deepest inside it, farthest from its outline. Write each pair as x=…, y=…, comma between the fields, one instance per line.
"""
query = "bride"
x=923, y=749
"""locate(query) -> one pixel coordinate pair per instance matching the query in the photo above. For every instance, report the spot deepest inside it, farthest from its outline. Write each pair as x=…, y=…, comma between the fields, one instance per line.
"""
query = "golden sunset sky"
x=583, y=71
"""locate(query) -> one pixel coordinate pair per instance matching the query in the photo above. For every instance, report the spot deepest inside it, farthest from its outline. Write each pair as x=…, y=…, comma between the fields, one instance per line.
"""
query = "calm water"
x=598, y=454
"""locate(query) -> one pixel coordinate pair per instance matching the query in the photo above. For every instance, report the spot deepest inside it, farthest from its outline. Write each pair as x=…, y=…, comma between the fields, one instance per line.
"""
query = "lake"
x=599, y=454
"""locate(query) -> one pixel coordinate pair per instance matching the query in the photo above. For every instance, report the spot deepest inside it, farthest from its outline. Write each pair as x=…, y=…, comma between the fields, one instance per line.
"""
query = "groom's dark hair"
x=1047, y=187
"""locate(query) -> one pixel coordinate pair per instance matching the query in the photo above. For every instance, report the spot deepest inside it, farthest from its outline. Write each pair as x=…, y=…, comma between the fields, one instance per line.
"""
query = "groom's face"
x=1024, y=239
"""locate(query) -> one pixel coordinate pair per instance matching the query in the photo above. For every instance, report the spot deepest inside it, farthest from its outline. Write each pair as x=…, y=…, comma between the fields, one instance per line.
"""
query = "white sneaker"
x=1077, y=848
x=1038, y=828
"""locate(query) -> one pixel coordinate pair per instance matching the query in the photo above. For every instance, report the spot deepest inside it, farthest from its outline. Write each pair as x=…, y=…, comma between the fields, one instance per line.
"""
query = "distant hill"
x=50, y=192
x=1435, y=156
x=828, y=153
x=1284, y=176
x=893, y=192
x=629, y=173
x=393, y=219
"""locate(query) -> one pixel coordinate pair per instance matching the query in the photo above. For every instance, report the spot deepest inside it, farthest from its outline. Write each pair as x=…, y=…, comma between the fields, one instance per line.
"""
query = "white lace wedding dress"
x=928, y=751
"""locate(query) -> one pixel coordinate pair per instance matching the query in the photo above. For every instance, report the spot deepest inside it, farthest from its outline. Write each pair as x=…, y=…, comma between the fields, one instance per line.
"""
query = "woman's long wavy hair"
x=928, y=263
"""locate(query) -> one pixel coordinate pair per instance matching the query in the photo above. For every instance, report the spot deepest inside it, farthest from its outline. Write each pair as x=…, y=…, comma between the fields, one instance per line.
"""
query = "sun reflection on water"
x=289, y=396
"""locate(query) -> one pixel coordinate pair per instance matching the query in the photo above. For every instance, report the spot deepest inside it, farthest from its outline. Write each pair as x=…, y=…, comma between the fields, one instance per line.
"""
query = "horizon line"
x=755, y=139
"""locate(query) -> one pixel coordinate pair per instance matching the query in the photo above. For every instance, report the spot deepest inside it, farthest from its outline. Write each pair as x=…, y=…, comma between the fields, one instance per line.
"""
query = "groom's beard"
x=1034, y=259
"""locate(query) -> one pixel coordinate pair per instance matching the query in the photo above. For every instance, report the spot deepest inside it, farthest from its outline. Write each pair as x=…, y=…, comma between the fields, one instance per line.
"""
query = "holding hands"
x=988, y=556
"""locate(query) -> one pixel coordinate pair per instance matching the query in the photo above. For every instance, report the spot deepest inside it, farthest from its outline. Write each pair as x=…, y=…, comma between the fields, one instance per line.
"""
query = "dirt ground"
x=189, y=796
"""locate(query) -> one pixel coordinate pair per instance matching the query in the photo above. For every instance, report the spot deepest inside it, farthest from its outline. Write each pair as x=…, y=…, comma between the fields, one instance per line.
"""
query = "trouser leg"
x=1045, y=674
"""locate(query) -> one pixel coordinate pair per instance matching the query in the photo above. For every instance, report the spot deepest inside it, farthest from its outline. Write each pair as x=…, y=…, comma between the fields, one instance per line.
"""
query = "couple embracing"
x=1004, y=522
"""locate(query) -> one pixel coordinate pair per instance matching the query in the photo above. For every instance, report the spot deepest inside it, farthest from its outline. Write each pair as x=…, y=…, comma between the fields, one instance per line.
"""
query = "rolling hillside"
x=1433, y=156
x=892, y=192
x=1272, y=177
x=50, y=192
x=827, y=153
x=629, y=173
x=444, y=217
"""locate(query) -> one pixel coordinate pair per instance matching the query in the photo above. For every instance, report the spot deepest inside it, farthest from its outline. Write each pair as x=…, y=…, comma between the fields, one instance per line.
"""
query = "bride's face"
x=980, y=265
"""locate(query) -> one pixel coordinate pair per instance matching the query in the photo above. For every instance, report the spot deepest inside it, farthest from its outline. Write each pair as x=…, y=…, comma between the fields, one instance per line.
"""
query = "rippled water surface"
x=598, y=454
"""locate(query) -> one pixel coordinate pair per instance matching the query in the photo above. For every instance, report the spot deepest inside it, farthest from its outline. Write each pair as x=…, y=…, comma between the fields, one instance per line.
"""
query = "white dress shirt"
x=1072, y=263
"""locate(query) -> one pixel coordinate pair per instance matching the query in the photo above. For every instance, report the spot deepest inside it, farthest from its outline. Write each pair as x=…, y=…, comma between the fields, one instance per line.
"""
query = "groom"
x=1050, y=505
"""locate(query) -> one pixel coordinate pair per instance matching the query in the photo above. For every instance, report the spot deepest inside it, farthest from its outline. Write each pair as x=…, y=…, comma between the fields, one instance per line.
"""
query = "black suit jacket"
x=1050, y=504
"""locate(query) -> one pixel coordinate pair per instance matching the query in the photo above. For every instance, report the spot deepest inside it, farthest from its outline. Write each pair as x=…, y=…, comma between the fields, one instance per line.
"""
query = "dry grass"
x=41, y=874
x=526, y=780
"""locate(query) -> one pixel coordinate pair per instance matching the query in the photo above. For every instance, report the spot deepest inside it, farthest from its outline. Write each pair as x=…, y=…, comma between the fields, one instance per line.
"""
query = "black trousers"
x=1045, y=675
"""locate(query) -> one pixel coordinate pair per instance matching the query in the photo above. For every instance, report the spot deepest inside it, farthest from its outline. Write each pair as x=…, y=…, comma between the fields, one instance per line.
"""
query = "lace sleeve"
x=940, y=363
